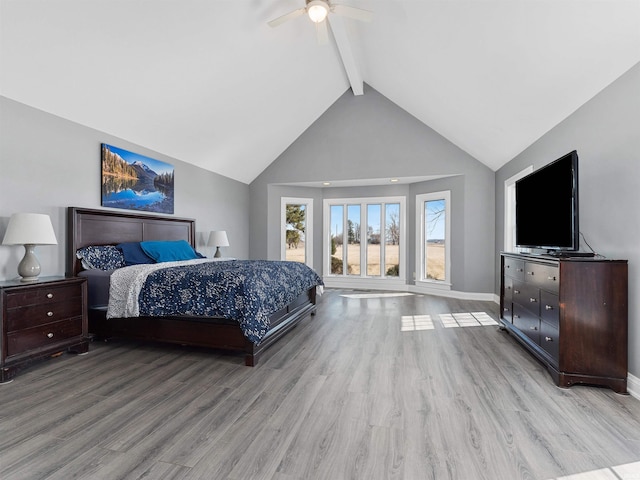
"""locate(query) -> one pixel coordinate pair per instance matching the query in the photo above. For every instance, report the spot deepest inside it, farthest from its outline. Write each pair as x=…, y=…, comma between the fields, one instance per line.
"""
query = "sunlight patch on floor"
x=470, y=319
x=628, y=471
x=412, y=323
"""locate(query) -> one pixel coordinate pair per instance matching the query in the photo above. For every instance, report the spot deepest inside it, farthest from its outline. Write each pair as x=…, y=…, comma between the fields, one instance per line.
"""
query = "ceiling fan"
x=318, y=10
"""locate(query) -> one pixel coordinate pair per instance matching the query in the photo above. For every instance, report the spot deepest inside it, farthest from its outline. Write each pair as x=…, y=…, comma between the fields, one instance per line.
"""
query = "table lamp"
x=218, y=239
x=29, y=229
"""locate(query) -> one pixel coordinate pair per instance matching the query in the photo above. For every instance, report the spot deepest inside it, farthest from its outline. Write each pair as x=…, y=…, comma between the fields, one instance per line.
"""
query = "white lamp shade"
x=29, y=229
x=218, y=238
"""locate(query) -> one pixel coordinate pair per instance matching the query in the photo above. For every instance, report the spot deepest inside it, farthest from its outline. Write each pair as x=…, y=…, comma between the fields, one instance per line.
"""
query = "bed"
x=90, y=227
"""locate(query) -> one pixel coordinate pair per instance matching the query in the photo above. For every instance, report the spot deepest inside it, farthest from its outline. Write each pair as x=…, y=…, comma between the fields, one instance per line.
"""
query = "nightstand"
x=40, y=319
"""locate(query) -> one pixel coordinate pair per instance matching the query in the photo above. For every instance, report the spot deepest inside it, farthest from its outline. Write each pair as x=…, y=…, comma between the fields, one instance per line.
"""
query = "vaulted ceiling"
x=210, y=83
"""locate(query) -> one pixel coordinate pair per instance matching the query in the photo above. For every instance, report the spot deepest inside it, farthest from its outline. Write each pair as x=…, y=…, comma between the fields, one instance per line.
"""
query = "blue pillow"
x=133, y=254
x=100, y=257
x=169, y=251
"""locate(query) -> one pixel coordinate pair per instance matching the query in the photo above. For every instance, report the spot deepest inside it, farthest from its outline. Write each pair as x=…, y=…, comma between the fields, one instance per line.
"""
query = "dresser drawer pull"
x=506, y=309
x=533, y=300
x=530, y=273
x=520, y=269
x=516, y=316
x=533, y=328
x=548, y=307
x=551, y=278
x=516, y=292
x=49, y=295
x=49, y=314
x=50, y=335
x=548, y=339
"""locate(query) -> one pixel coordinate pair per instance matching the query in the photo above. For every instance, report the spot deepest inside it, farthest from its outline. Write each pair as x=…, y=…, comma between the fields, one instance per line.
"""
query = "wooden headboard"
x=106, y=227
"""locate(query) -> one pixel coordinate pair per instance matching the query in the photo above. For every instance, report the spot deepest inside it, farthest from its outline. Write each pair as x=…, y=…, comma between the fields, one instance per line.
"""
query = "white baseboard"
x=400, y=286
x=484, y=297
x=633, y=386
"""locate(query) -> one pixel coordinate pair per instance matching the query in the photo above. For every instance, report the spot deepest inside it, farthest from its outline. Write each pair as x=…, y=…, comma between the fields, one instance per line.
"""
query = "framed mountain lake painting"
x=136, y=182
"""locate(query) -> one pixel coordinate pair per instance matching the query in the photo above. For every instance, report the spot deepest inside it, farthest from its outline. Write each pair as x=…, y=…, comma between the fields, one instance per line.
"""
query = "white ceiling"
x=209, y=83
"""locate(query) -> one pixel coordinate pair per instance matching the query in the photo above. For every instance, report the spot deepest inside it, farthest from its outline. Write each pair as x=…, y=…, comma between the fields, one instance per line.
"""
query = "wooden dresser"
x=40, y=319
x=569, y=313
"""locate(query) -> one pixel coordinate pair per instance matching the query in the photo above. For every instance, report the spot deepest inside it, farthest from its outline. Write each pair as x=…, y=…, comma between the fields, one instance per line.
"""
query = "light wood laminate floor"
x=373, y=387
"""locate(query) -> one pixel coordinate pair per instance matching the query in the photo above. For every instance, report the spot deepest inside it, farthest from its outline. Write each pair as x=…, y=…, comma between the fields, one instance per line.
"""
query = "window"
x=365, y=237
x=296, y=235
x=433, y=238
x=510, y=210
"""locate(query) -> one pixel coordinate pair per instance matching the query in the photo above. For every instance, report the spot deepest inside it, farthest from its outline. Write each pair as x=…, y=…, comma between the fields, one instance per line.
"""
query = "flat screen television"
x=547, y=207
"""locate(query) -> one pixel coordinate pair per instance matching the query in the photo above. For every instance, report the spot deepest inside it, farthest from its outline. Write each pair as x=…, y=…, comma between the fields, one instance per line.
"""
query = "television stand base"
x=561, y=254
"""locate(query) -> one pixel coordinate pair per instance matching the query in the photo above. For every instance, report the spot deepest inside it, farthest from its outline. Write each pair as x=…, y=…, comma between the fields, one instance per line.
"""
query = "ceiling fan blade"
x=322, y=32
x=352, y=12
x=288, y=16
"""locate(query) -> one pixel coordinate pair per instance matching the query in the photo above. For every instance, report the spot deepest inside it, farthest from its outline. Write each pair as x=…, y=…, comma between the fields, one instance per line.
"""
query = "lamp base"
x=218, y=253
x=29, y=267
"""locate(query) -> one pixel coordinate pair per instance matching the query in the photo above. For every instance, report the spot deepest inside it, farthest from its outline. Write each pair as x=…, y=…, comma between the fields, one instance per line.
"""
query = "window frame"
x=421, y=279
x=308, y=231
x=364, y=280
x=509, y=244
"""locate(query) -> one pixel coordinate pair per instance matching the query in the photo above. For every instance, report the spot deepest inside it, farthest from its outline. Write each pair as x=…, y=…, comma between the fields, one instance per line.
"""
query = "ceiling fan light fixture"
x=317, y=10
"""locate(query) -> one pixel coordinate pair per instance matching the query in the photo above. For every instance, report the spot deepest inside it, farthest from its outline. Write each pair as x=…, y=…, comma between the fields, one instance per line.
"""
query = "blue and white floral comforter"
x=248, y=291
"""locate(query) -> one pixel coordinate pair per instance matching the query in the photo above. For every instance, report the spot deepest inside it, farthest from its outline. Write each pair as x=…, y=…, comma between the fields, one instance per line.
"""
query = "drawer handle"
x=533, y=328
x=548, y=339
x=49, y=295
x=49, y=314
x=520, y=270
x=551, y=278
x=509, y=287
x=516, y=316
x=548, y=307
x=505, y=309
x=533, y=300
x=530, y=273
x=50, y=335
x=516, y=292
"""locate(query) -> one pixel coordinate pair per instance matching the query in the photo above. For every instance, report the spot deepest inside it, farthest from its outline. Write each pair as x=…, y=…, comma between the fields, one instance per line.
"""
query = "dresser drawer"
x=34, y=315
x=549, y=310
x=528, y=296
x=550, y=341
x=514, y=268
x=43, y=335
x=526, y=322
x=508, y=289
x=543, y=276
x=42, y=295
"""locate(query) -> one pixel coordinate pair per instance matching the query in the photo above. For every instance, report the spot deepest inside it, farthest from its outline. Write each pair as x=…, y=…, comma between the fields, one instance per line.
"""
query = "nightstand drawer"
x=43, y=335
x=42, y=295
x=34, y=315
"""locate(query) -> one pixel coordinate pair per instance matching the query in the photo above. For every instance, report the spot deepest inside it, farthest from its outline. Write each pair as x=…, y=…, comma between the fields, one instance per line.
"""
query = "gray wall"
x=368, y=136
x=606, y=133
x=48, y=163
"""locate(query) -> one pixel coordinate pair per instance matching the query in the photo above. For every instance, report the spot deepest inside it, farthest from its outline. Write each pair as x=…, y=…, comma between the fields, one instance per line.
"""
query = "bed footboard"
x=218, y=333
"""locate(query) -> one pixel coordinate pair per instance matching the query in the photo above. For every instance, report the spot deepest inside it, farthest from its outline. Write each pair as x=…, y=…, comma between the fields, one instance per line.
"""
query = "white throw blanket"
x=126, y=283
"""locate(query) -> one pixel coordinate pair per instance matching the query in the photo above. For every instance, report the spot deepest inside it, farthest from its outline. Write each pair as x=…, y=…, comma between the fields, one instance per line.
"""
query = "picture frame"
x=135, y=182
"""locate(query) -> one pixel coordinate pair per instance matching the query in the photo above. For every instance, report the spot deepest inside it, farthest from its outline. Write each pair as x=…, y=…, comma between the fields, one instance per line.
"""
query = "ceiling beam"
x=346, y=53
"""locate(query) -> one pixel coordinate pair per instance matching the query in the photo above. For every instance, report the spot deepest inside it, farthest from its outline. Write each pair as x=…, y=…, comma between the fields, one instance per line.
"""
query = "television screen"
x=547, y=206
